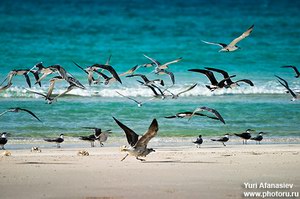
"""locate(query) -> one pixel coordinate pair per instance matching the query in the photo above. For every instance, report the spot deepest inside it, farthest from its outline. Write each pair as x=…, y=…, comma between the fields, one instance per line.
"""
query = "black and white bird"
x=3, y=140
x=213, y=111
x=108, y=68
x=139, y=103
x=295, y=69
x=199, y=141
x=175, y=96
x=138, y=145
x=258, y=138
x=210, y=75
x=245, y=135
x=285, y=84
x=232, y=45
x=93, y=137
x=147, y=81
x=18, y=109
x=58, y=140
x=160, y=66
x=227, y=81
x=188, y=114
x=130, y=71
x=222, y=139
x=22, y=72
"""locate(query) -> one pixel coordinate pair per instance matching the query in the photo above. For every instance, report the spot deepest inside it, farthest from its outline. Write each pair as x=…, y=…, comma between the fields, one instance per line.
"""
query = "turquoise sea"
x=87, y=32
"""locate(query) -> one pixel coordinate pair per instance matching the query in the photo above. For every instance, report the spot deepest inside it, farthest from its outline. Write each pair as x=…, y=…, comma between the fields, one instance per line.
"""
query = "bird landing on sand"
x=138, y=146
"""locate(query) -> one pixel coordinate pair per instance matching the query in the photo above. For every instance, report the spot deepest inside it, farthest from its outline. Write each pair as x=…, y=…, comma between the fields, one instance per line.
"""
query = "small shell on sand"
x=6, y=153
x=83, y=153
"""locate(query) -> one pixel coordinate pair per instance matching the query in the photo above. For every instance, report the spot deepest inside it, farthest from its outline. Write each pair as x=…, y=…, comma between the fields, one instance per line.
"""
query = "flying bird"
x=159, y=65
x=210, y=75
x=18, y=109
x=175, y=96
x=285, y=84
x=189, y=114
x=213, y=111
x=138, y=145
x=294, y=68
x=227, y=82
x=232, y=45
x=140, y=104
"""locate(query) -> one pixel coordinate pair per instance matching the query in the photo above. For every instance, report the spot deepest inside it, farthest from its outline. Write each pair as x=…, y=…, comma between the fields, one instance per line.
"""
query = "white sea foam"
x=270, y=87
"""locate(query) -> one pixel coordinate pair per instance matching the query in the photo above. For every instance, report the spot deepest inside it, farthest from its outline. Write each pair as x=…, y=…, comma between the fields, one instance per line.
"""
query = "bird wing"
x=171, y=117
x=35, y=92
x=108, y=60
x=188, y=89
x=246, y=81
x=209, y=75
x=27, y=79
x=153, y=60
x=152, y=132
x=215, y=112
x=31, y=113
x=4, y=112
x=131, y=136
x=171, y=76
x=128, y=98
x=140, y=75
x=36, y=76
x=51, y=88
x=286, y=85
x=111, y=70
x=244, y=35
x=41, y=78
x=224, y=73
x=172, y=62
x=130, y=71
x=217, y=44
x=293, y=67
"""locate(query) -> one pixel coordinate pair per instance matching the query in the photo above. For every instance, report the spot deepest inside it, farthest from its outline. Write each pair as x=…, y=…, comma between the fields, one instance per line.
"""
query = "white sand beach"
x=171, y=172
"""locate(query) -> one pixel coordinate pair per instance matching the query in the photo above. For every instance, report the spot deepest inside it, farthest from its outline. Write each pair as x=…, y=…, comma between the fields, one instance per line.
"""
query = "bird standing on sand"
x=138, y=146
x=223, y=139
x=232, y=45
x=259, y=137
x=18, y=109
x=199, y=141
x=91, y=138
x=103, y=137
x=58, y=140
x=245, y=136
x=3, y=140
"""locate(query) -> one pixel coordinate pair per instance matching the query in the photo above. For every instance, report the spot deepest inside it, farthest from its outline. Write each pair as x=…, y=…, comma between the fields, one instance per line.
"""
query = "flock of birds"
x=106, y=74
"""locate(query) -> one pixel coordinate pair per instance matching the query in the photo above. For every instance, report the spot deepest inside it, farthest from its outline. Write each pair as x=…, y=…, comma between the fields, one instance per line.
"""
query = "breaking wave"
x=270, y=87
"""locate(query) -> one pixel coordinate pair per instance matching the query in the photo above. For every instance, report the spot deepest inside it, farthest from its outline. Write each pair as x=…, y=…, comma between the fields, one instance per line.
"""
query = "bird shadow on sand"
x=36, y=163
x=178, y=162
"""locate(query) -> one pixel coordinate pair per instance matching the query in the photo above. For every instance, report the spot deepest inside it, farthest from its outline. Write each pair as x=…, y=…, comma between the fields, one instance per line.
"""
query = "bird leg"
x=223, y=143
x=125, y=157
x=140, y=159
x=58, y=145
